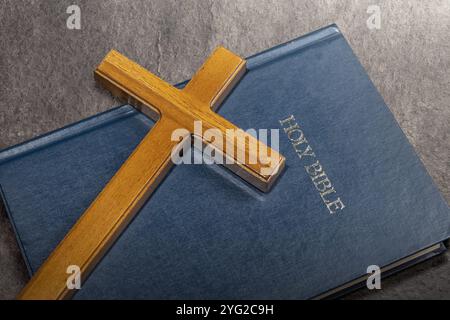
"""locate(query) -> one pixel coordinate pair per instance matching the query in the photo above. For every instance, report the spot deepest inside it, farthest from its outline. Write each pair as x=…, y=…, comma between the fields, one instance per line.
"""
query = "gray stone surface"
x=47, y=76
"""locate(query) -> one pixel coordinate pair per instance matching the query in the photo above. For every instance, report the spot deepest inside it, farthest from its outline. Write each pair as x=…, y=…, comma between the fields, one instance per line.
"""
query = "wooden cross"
x=134, y=182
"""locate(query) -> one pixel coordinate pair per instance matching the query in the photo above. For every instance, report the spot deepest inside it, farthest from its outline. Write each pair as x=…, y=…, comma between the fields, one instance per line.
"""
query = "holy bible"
x=353, y=194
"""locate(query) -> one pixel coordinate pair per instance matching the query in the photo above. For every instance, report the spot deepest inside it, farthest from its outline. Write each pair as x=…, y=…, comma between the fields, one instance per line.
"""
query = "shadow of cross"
x=132, y=185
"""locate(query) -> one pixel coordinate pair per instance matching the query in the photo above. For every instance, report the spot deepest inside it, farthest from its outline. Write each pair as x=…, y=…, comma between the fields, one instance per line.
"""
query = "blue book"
x=353, y=194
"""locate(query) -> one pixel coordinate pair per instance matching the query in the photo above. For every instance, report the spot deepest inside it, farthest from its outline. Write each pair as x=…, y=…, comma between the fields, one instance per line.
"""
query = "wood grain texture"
x=139, y=176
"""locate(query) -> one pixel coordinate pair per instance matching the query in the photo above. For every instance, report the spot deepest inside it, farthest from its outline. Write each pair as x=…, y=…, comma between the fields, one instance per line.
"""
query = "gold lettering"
x=291, y=122
x=315, y=171
x=323, y=185
x=308, y=152
x=324, y=195
x=317, y=168
x=335, y=206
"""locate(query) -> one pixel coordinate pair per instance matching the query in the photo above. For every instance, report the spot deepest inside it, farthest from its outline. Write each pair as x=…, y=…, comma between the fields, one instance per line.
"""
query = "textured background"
x=47, y=76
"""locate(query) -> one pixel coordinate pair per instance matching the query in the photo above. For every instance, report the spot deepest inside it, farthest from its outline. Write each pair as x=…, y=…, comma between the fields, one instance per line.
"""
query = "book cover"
x=353, y=194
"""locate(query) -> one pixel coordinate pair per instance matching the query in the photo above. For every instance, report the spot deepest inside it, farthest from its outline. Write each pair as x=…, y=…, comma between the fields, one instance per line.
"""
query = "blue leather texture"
x=48, y=182
x=205, y=233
